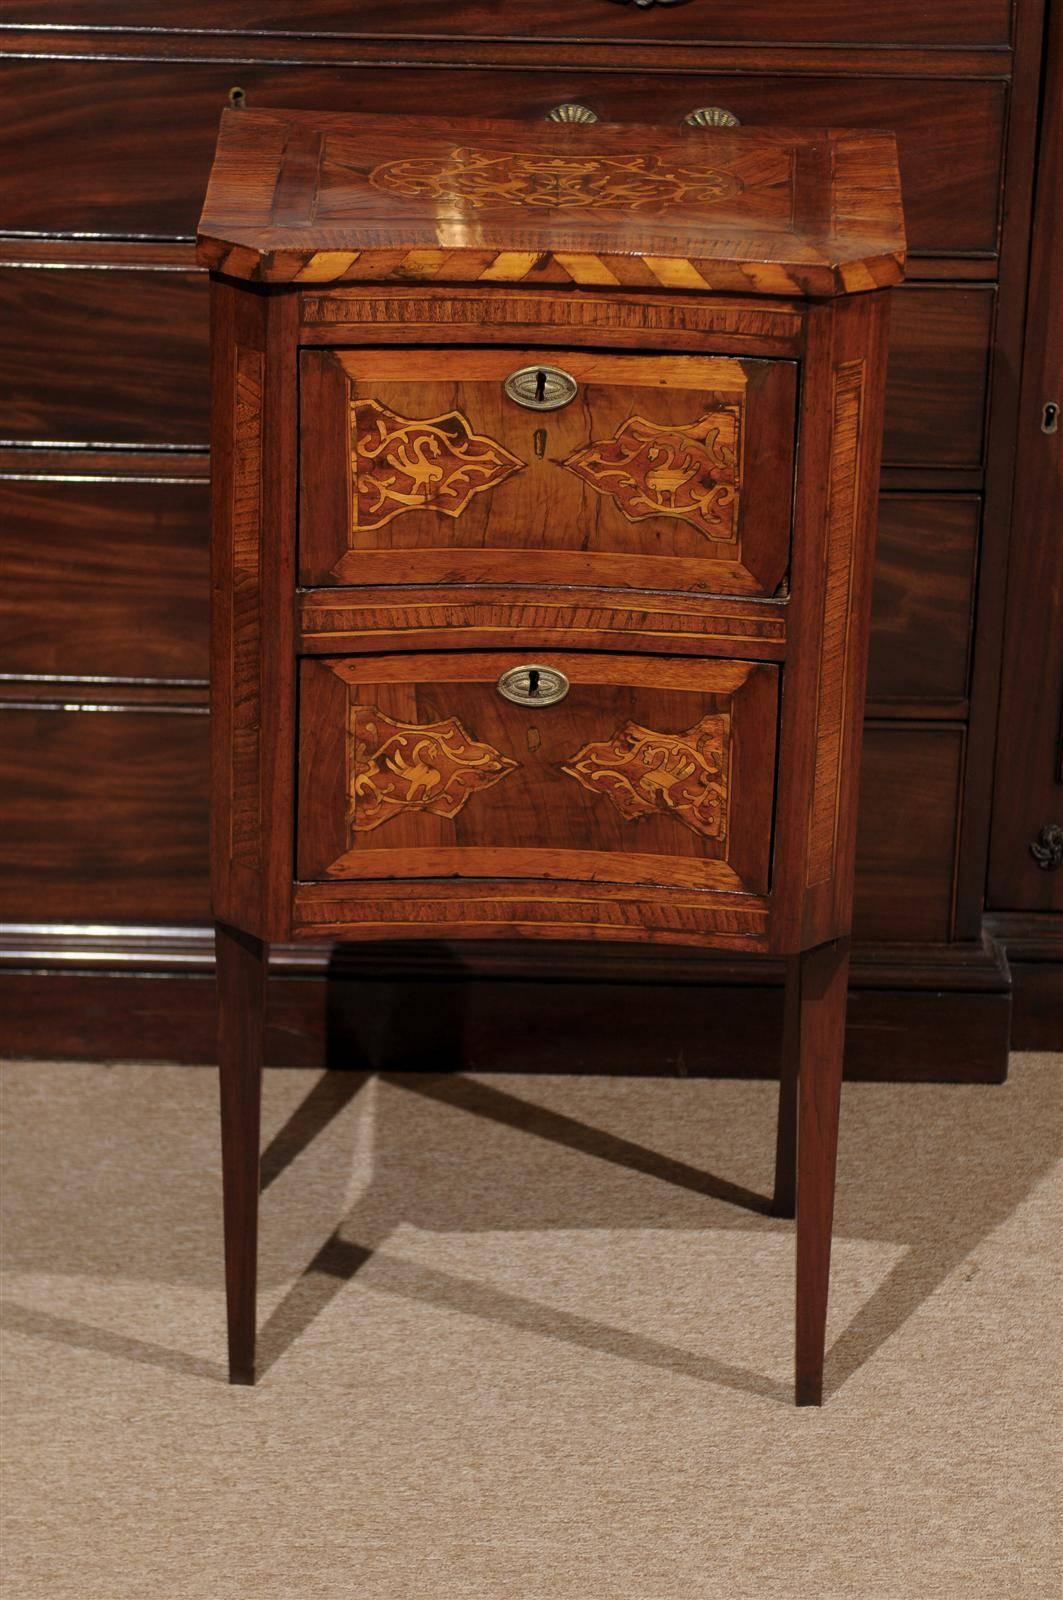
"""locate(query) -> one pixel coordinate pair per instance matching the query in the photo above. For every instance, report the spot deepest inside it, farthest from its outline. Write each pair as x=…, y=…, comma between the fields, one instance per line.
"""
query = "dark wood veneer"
x=982, y=22
x=138, y=797
x=146, y=174
x=120, y=357
x=106, y=576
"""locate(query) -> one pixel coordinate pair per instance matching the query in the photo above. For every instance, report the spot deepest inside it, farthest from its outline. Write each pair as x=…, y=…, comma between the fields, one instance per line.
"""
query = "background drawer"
x=107, y=157
x=663, y=472
x=126, y=840
x=784, y=21
x=923, y=602
x=647, y=772
x=910, y=780
x=937, y=376
x=106, y=578
x=117, y=356
x=122, y=357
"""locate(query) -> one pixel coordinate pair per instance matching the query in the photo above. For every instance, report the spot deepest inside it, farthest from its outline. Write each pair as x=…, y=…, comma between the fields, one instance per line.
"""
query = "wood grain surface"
x=806, y=21
x=320, y=198
x=657, y=474
x=138, y=173
x=418, y=767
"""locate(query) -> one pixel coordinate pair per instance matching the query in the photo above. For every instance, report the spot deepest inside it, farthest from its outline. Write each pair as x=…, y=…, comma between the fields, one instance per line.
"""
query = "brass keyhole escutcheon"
x=541, y=388
x=533, y=685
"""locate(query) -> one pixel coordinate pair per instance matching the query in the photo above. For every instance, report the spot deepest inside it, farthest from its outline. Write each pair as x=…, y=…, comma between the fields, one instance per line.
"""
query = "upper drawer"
x=943, y=22
x=104, y=160
x=661, y=472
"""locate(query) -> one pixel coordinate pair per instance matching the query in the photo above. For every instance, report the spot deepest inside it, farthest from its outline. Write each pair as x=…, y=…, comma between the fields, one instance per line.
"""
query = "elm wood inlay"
x=554, y=182
x=410, y=464
x=837, y=598
x=396, y=767
x=642, y=771
x=692, y=472
x=245, y=681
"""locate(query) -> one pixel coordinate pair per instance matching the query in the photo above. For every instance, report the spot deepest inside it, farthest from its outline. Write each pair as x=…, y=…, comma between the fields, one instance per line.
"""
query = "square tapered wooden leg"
x=241, y=965
x=821, y=982
x=784, y=1197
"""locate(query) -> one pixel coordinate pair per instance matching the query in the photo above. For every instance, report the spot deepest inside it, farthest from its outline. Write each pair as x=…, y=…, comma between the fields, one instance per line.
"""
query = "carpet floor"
x=516, y=1344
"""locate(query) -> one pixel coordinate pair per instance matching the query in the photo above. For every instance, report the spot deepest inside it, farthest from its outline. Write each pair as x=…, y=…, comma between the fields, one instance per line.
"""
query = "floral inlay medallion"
x=406, y=464
x=547, y=182
x=645, y=773
x=397, y=767
x=692, y=472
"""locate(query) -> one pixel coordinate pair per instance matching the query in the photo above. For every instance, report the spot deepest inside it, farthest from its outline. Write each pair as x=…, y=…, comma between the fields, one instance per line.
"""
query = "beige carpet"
x=517, y=1348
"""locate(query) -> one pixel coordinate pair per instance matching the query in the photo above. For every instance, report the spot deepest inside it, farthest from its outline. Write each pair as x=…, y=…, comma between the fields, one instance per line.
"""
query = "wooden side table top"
x=314, y=198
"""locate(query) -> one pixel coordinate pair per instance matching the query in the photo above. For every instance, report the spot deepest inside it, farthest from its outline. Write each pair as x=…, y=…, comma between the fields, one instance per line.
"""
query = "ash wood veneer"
x=545, y=615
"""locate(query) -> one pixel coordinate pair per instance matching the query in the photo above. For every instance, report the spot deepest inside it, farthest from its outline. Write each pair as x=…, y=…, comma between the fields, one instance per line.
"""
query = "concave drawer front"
x=656, y=772
x=661, y=472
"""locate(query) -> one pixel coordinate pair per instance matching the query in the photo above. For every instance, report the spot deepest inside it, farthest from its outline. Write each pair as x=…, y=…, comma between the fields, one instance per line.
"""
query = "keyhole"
x=540, y=386
x=1050, y=417
x=533, y=680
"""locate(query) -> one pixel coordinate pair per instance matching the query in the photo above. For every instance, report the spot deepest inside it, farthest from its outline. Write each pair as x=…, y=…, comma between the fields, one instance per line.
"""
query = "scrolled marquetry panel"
x=398, y=767
x=843, y=512
x=556, y=182
x=643, y=773
x=434, y=464
x=691, y=473
x=245, y=686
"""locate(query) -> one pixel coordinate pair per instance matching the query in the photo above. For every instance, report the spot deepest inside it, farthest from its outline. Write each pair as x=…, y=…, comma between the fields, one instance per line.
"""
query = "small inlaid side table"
x=545, y=471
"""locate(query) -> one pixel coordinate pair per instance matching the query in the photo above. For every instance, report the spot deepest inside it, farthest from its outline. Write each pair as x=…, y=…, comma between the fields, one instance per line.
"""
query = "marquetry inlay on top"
x=318, y=198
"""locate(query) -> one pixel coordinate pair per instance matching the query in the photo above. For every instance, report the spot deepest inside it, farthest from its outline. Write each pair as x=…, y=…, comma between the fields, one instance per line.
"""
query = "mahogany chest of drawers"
x=544, y=502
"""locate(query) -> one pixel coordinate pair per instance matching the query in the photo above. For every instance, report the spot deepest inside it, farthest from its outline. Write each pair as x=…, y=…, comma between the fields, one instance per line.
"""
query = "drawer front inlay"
x=408, y=464
x=683, y=775
x=399, y=767
x=650, y=771
x=662, y=472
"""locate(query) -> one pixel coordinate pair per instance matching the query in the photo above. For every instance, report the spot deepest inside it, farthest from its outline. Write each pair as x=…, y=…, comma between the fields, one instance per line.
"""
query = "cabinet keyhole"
x=533, y=680
x=540, y=386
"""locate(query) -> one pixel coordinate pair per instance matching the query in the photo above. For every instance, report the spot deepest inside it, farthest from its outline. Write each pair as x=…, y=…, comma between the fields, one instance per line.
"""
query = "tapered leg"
x=823, y=978
x=241, y=962
x=782, y=1204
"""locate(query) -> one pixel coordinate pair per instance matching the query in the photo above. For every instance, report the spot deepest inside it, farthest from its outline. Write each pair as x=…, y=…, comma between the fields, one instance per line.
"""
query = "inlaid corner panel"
x=420, y=466
x=647, y=771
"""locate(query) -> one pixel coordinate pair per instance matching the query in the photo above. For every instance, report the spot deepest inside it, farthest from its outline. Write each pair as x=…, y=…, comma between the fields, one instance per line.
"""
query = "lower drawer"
x=646, y=771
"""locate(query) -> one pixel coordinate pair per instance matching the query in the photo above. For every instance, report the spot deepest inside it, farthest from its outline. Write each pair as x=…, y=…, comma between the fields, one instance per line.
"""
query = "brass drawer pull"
x=712, y=117
x=571, y=112
x=541, y=388
x=533, y=685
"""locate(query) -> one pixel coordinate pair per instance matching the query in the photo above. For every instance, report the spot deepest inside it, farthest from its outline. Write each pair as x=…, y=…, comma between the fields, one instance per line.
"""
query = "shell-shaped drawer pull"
x=571, y=112
x=712, y=117
x=533, y=685
x=541, y=388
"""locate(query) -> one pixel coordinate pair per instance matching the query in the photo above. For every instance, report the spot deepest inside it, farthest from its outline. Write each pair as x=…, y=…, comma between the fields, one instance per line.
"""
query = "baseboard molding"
x=937, y=1013
x=1033, y=946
